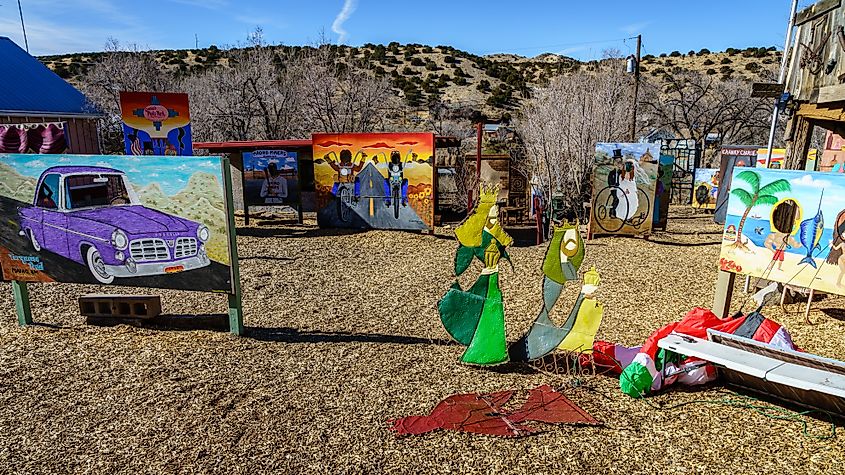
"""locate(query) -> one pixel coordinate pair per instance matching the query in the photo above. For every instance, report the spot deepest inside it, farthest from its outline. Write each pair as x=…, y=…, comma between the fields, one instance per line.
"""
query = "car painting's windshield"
x=86, y=191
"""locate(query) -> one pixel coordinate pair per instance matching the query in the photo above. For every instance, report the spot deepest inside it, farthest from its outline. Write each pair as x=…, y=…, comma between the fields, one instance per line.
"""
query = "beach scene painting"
x=786, y=226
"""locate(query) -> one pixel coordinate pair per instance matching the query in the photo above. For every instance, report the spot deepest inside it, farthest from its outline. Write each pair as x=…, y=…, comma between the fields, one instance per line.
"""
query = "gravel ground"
x=343, y=334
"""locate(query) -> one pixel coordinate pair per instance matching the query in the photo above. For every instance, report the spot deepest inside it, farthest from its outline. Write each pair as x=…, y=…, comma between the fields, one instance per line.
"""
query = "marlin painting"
x=811, y=235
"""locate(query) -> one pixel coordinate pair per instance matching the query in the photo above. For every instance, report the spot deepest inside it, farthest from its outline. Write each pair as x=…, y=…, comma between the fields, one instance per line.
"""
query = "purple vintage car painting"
x=92, y=216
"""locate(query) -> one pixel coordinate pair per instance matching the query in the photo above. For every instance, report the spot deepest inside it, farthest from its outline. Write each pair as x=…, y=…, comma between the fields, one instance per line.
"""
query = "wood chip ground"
x=343, y=334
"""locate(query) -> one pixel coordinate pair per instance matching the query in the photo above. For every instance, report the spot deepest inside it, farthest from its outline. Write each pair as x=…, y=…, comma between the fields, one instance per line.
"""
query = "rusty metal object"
x=485, y=414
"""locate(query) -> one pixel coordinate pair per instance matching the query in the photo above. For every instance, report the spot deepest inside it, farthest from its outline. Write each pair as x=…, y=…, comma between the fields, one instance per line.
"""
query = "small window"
x=784, y=216
x=48, y=194
x=85, y=191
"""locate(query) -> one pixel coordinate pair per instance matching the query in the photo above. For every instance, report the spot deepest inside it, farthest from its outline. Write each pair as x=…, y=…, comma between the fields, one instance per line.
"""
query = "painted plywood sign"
x=114, y=219
x=624, y=185
x=787, y=226
x=156, y=123
x=705, y=188
x=663, y=191
x=374, y=180
x=731, y=156
x=271, y=178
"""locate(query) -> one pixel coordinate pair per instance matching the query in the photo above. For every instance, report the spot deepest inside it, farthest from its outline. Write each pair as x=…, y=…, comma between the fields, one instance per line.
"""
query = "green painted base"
x=22, y=308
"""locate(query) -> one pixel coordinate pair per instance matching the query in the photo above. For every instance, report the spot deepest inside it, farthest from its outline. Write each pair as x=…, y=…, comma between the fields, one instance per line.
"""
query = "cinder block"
x=123, y=306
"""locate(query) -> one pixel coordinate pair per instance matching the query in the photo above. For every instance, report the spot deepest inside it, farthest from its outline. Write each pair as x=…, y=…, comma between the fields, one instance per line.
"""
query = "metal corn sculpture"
x=476, y=317
x=563, y=259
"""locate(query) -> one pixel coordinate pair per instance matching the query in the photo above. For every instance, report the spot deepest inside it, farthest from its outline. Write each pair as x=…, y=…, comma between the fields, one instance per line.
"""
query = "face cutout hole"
x=785, y=215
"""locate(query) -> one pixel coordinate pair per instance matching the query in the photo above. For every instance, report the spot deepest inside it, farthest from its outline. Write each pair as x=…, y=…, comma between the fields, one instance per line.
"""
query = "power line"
x=561, y=45
x=25, y=42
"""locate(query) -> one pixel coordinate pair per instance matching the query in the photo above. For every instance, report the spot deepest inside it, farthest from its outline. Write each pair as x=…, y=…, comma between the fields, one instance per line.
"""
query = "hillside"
x=499, y=81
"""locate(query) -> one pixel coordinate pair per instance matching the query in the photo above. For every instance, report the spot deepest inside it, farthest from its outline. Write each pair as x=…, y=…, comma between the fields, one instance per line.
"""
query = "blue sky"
x=579, y=29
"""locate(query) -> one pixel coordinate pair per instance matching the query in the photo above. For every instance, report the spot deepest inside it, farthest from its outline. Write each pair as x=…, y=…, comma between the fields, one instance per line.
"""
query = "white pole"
x=25, y=42
x=781, y=78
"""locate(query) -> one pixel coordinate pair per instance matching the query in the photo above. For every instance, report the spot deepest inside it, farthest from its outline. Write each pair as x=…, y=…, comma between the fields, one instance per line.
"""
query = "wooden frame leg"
x=22, y=308
x=724, y=291
x=809, y=303
x=236, y=315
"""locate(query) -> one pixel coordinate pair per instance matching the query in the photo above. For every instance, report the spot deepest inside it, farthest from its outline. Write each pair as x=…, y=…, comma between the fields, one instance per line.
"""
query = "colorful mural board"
x=42, y=138
x=663, y=191
x=624, y=184
x=271, y=178
x=115, y=219
x=374, y=180
x=779, y=155
x=705, y=188
x=731, y=156
x=156, y=123
x=833, y=156
x=787, y=226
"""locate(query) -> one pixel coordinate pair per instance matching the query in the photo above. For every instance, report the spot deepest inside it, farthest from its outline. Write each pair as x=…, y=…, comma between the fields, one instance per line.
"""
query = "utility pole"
x=196, y=41
x=781, y=78
x=636, y=88
x=25, y=42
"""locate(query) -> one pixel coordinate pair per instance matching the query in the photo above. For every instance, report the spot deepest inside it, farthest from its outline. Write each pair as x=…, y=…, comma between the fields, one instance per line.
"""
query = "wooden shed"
x=815, y=78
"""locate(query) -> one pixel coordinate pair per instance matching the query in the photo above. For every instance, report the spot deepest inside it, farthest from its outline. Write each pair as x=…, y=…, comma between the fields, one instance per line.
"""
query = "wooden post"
x=299, y=185
x=22, y=308
x=809, y=303
x=236, y=321
x=240, y=159
x=724, y=292
x=799, y=147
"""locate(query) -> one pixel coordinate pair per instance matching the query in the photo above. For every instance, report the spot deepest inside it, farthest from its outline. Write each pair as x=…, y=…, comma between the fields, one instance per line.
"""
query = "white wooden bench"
x=800, y=378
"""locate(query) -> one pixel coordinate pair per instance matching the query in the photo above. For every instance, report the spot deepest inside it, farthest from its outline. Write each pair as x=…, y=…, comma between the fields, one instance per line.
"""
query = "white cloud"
x=345, y=12
x=809, y=181
x=634, y=28
x=209, y=4
x=49, y=31
x=572, y=50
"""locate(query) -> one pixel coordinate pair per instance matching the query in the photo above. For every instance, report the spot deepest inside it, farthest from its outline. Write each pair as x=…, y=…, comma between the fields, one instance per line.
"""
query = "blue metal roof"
x=27, y=87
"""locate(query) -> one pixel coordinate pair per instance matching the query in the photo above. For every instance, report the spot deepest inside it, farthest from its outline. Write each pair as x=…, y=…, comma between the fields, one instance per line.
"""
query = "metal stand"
x=22, y=308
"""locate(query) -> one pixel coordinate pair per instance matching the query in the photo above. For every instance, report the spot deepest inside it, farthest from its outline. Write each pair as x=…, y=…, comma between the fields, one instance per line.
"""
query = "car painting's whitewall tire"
x=97, y=266
x=34, y=241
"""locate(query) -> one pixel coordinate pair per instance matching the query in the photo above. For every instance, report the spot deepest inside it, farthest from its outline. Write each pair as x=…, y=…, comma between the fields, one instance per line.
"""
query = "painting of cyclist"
x=347, y=171
x=396, y=177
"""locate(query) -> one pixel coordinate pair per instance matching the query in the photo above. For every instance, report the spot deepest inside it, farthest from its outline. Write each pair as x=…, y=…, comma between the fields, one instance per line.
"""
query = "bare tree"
x=561, y=124
x=339, y=94
x=254, y=96
x=694, y=105
x=121, y=68
x=272, y=92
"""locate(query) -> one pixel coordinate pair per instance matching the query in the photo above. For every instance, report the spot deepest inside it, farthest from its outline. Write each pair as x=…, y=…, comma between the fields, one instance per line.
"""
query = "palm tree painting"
x=753, y=196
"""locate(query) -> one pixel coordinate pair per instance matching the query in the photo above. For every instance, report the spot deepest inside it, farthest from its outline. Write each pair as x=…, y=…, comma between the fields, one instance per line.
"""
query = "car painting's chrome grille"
x=148, y=250
x=185, y=247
